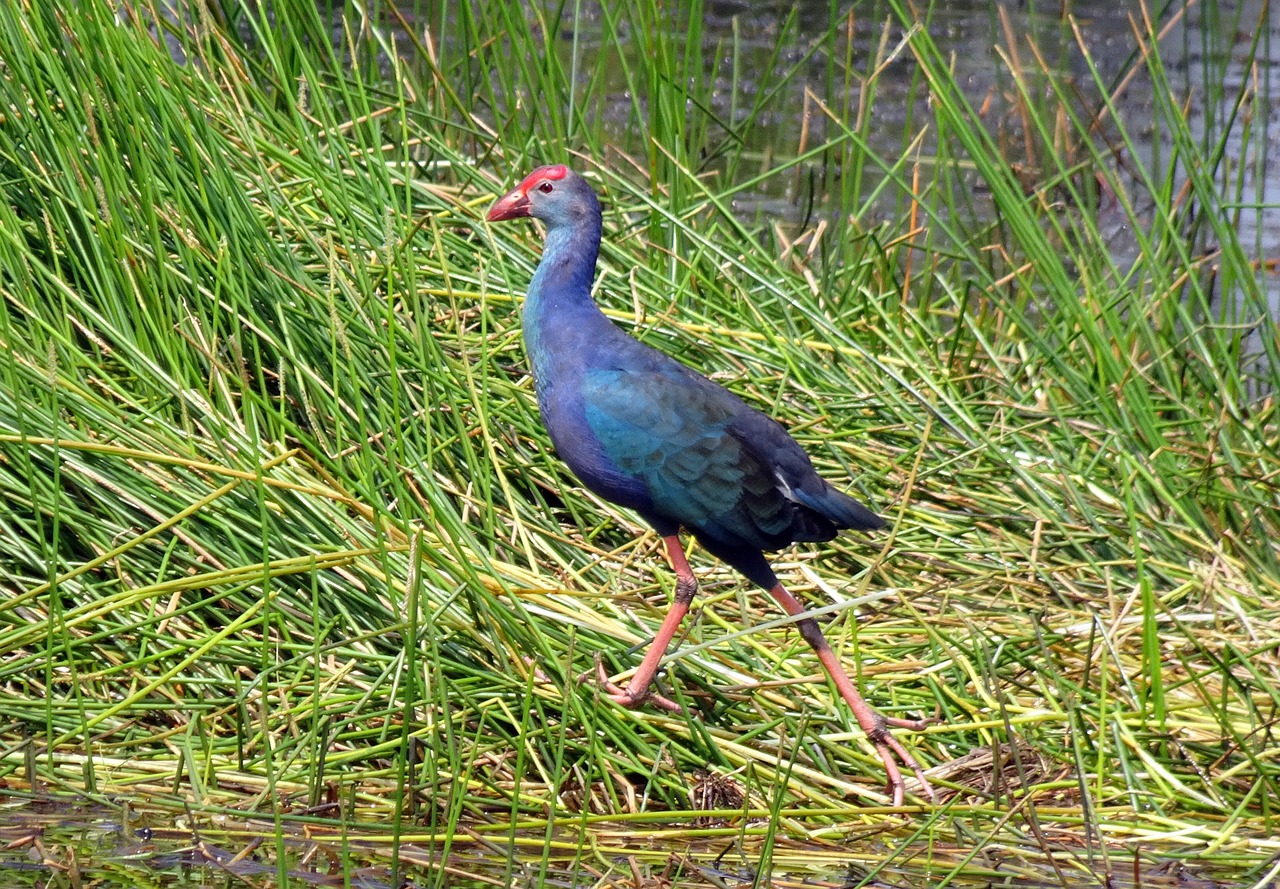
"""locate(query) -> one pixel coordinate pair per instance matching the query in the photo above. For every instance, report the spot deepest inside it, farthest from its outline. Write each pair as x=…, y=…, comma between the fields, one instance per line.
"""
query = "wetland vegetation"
x=290, y=571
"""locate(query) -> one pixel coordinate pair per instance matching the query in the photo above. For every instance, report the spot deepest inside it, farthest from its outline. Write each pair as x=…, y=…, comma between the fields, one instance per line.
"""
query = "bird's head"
x=554, y=193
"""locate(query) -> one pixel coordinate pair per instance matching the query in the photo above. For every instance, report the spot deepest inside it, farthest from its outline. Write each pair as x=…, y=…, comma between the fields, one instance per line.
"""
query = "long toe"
x=889, y=747
x=624, y=698
x=914, y=725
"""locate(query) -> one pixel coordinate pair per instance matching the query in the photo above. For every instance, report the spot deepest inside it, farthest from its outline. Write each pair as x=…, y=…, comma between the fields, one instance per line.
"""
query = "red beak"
x=512, y=205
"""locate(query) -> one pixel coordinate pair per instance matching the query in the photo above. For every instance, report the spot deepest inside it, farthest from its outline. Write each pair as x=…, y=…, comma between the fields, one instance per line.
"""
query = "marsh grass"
x=284, y=536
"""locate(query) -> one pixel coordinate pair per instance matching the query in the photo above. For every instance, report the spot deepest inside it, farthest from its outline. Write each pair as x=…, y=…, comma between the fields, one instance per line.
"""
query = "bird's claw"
x=625, y=697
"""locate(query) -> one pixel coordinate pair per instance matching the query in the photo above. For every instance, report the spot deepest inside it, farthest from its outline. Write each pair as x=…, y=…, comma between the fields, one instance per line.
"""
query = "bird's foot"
x=625, y=697
x=890, y=747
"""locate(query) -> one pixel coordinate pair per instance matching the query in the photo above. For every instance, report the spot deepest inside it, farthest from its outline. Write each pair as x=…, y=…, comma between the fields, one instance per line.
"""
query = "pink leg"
x=875, y=725
x=637, y=691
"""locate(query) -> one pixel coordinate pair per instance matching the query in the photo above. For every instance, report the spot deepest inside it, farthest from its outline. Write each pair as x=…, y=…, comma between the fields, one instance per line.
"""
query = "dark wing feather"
x=795, y=476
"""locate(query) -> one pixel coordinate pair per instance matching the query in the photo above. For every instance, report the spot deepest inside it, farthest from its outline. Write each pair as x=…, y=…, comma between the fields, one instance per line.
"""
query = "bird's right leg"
x=875, y=725
x=637, y=691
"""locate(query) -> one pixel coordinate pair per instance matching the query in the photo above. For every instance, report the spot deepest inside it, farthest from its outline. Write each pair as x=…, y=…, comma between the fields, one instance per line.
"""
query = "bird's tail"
x=840, y=509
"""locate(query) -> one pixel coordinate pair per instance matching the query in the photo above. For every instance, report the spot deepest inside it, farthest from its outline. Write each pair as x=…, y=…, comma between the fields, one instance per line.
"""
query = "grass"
x=284, y=537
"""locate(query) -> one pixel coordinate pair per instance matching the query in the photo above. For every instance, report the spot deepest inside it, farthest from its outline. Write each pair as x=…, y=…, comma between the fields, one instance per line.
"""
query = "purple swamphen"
x=645, y=432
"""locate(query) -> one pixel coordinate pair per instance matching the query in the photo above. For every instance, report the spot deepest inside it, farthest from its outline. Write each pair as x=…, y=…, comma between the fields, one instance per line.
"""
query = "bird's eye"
x=546, y=187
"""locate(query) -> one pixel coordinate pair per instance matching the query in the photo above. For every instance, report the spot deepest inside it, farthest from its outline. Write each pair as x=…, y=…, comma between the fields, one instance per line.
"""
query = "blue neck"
x=567, y=268
x=558, y=303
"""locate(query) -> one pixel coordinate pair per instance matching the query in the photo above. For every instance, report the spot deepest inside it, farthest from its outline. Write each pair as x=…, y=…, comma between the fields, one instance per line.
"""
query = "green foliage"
x=278, y=512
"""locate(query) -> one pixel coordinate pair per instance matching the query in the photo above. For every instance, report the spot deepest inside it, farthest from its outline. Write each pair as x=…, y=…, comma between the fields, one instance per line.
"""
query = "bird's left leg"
x=637, y=691
x=875, y=725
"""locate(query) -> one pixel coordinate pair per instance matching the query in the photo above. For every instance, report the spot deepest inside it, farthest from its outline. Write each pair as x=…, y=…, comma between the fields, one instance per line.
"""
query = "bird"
x=648, y=433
